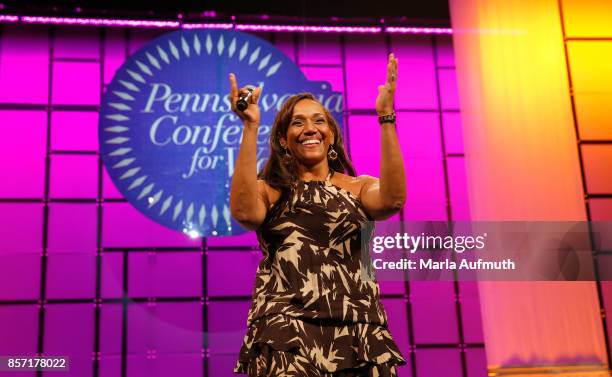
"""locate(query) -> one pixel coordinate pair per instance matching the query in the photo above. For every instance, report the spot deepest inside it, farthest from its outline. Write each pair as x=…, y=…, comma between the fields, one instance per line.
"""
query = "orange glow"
x=523, y=162
x=587, y=18
x=589, y=63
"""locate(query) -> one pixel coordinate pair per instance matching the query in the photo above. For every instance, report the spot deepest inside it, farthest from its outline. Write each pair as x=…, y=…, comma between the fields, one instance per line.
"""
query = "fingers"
x=235, y=93
x=233, y=90
x=392, y=71
x=255, y=96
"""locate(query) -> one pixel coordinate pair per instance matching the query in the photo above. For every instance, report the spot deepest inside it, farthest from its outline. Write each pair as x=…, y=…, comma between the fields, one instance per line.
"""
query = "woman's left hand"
x=386, y=93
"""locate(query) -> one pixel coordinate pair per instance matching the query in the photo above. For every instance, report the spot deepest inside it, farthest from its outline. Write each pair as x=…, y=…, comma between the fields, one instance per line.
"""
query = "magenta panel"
x=284, y=42
x=77, y=42
x=74, y=176
x=76, y=83
x=405, y=370
x=227, y=325
x=18, y=331
x=601, y=209
x=438, y=362
x=111, y=322
x=366, y=69
x=457, y=183
x=424, y=201
x=470, y=312
x=425, y=181
x=433, y=310
x=364, y=136
x=109, y=189
x=398, y=322
x=124, y=226
x=460, y=212
x=74, y=131
x=21, y=228
x=453, y=137
x=114, y=52
x=167, y=274
x=319, y=49
x=167, y=327
x=423, y=212
x=419, y=135
x=164, y=365
x=223, y=279
x=14, y=283
x=110, y=366
x=476, y=360
x=392, y=287
x=416, y=72
x=81, y=329
x=71, y=276
x=223, y=364
x=72, y=228
x=112, y=275
x=245, y=239
x=24, y=66
x=448, y=89
x=22, y=171
x=445, y=51
x=330, y=74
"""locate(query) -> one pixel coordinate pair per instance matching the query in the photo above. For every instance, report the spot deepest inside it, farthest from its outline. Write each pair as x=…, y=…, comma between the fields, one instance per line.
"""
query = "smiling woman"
x=314, y=312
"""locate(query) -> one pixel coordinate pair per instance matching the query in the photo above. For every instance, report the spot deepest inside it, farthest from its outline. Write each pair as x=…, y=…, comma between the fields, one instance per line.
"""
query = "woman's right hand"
x=251, y=115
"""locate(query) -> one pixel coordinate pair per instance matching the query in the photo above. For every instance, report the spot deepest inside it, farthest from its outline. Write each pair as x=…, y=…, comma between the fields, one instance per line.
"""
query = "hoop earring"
x=332, y=154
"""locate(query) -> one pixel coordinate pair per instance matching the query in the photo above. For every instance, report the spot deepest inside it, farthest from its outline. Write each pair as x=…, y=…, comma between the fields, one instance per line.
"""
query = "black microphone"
x=243, y=100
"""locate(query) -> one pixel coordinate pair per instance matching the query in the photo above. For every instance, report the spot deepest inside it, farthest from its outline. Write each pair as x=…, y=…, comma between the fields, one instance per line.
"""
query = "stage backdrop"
x=84, y=274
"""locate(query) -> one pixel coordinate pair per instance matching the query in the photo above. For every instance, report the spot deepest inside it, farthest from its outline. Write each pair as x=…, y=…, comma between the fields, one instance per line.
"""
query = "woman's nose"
x=309, y=127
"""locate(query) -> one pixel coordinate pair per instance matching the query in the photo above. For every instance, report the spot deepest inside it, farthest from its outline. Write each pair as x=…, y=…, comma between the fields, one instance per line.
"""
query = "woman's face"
x=309, y=134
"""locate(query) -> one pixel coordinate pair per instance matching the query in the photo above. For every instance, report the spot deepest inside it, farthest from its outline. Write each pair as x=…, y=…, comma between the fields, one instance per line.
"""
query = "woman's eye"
x=319, y=121
x=296, y=123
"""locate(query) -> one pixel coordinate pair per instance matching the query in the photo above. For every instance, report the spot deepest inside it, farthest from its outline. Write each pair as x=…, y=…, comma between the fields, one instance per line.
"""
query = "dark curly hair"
x=281, y=170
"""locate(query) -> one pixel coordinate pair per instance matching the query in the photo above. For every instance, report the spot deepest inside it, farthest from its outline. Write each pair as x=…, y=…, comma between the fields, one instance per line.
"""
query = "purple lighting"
x=311, y=29
x=8, y=18
x=209, y=13
x=418, y=30
x=98, y=22
x=207, y=26
x=245, y=27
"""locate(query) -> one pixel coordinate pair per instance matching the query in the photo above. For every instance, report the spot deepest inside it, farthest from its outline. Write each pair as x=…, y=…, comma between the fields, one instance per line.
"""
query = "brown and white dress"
x=313, y=313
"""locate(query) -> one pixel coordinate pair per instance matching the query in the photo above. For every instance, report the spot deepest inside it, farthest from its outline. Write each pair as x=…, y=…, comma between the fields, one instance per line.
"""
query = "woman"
x=312, y=313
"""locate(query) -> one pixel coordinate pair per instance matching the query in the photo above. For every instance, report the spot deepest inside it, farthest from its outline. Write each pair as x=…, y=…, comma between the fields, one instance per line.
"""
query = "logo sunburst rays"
x=124, y=165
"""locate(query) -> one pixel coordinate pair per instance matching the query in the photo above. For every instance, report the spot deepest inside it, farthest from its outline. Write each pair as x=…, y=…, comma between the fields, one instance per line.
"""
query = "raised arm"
x=248, y=199
x=384, y=197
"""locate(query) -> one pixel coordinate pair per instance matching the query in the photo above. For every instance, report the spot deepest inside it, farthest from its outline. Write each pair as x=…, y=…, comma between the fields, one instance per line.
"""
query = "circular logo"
x=168, y=137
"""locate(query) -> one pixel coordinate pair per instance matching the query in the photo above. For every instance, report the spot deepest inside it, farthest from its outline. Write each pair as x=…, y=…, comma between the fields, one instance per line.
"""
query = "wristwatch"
x=389, y=118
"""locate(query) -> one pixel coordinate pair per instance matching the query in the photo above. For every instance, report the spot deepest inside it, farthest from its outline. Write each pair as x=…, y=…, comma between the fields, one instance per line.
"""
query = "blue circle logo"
x=168, y=137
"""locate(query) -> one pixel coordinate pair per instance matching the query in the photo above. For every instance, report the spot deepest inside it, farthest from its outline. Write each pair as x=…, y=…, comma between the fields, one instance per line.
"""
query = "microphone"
x=243, y=100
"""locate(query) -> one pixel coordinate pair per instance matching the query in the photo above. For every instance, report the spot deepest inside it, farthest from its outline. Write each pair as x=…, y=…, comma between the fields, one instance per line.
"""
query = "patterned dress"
x=313, y=313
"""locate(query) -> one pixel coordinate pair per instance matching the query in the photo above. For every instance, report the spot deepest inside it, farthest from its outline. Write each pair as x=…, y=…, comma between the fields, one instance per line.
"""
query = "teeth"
x=311, y=141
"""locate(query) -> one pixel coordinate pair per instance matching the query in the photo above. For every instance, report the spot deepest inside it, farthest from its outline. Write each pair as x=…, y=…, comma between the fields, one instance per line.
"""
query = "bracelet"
x=389, y=118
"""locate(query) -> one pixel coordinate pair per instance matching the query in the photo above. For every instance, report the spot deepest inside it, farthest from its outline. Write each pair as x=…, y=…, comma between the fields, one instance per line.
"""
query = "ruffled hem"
x=328, y=347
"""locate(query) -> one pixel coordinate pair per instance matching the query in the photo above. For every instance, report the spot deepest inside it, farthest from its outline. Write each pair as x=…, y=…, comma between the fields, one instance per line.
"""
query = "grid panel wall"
x=588, y=47
x=129, y=297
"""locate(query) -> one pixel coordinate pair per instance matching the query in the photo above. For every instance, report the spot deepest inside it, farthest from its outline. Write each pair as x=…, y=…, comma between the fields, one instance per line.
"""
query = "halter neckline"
x=326, y=180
